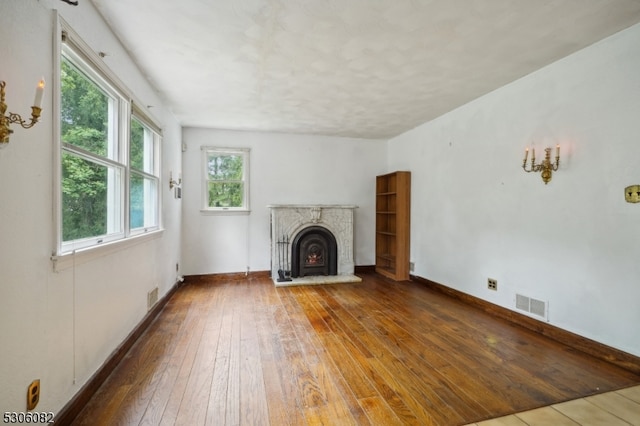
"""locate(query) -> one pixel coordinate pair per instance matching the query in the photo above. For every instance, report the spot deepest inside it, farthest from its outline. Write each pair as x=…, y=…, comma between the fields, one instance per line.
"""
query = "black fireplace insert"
x=314, y=252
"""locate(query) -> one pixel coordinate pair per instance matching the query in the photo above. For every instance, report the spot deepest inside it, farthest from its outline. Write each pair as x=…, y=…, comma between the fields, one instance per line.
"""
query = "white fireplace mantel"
x=287, y=220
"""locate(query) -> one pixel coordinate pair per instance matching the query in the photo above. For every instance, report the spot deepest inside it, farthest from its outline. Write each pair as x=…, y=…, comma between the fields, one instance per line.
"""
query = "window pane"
x=225, y=194
x=85, y=112
x=224, y=166
x=142, y=198
x=90, y=198
x=142, y=147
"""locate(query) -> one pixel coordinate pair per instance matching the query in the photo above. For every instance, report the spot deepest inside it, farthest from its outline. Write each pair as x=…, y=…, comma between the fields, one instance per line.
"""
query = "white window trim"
x=65, y=255
x=205, y=209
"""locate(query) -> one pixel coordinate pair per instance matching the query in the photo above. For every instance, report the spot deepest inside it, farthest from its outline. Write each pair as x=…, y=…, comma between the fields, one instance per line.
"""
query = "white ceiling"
x=357, y=68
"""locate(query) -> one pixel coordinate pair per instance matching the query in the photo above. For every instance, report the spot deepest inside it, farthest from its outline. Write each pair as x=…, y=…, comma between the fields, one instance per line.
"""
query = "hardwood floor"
x=370, y=353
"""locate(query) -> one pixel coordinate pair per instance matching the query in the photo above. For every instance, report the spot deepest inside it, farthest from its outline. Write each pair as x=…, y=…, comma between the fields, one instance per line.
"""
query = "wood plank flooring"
x=372, y=353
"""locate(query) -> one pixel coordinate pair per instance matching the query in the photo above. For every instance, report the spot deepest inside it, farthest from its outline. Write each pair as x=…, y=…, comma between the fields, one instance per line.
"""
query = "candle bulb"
x=37, y=102
x=558, y=150
x=526, y=154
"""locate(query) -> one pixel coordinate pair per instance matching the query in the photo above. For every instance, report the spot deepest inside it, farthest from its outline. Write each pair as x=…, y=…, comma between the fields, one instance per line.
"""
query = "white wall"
x=574, y=242
x=60, y=327
x=284, y=169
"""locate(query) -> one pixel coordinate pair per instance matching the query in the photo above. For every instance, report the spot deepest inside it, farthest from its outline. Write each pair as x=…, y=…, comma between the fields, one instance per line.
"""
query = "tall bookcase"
x=393, y=207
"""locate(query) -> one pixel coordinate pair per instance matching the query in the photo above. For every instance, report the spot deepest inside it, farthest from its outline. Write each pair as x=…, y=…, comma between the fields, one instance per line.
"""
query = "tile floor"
x=620, y=407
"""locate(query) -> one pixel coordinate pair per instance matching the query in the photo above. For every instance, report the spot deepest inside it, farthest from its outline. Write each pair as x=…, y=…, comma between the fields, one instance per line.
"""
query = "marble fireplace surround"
x=287, y=220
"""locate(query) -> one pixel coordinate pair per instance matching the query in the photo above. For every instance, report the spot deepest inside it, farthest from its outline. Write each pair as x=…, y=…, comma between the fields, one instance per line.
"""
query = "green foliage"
x=225, y=194
x=84, y=106
x=84, y=119
x=136, y=145
x=84, y=189
x=225, y=167
x=225, y=180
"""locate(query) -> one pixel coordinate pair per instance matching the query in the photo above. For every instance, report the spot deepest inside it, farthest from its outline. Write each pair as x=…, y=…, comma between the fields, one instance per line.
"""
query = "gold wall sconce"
x=174, y=183
x=546, y=167
x=6, y=120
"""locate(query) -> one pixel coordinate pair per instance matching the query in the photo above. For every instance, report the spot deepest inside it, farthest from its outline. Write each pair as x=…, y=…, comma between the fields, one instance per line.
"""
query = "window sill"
x=78, y=257
x=222, y=212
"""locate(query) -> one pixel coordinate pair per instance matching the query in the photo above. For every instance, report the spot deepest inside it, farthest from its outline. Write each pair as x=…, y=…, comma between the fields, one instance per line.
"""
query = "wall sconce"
x=36, y=109
x=175, y=183
x=546, y=167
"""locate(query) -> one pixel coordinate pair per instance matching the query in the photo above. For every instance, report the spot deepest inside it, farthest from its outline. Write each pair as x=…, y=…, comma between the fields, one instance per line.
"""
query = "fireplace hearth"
x=312, y=244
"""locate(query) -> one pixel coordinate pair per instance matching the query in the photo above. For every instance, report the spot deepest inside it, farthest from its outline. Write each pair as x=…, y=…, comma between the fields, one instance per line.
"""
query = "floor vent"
x=152, y=298
x=532, y=306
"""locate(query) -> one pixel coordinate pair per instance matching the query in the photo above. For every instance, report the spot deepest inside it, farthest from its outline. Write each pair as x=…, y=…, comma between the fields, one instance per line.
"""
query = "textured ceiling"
x=358, y=68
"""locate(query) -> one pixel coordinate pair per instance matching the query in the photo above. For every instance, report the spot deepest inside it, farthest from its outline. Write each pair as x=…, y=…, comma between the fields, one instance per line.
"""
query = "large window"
x=109, y=159
x=226, y=179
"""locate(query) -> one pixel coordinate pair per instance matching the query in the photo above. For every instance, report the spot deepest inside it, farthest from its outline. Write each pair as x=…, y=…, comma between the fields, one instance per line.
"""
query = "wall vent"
x=533, y=307
x=152, y=298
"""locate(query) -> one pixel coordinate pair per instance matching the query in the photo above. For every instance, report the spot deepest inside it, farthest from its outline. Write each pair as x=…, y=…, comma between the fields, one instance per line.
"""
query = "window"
x=109, y=156
x=226, y=179
x=143, y=180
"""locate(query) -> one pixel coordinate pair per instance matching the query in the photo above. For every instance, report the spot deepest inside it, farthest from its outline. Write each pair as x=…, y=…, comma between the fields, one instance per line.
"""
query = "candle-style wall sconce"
x=174, y=183
x=6, y=120
x=546, y=167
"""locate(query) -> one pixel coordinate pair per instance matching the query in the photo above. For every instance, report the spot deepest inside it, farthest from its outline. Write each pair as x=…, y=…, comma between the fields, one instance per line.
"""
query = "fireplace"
x=314, y=252
x=312, y=244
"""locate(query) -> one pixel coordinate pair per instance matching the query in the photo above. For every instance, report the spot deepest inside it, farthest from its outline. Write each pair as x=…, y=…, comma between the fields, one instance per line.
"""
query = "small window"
x=226, y=179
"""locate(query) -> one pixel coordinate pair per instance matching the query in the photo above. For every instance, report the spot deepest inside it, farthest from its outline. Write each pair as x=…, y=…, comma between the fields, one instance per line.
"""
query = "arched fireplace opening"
x=314, y=252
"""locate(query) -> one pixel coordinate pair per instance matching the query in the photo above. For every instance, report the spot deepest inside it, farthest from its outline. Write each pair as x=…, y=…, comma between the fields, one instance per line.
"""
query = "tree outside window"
x=109, y=178
x=90, y=180
x=226, y=178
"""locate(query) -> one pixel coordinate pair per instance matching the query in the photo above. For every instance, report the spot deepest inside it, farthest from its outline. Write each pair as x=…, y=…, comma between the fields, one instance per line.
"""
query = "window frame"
x=153, y=175
x=114, y=160
x=70, y=45
x=242, y=152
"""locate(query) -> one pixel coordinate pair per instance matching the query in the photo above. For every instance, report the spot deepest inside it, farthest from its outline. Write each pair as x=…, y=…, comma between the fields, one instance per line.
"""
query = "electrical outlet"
x=412, y=266
x=33, y=395
x=632, y=194
x=492, y=284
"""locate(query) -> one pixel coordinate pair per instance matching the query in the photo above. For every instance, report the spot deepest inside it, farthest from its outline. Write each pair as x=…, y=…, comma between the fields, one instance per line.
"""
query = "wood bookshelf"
x=393, y=207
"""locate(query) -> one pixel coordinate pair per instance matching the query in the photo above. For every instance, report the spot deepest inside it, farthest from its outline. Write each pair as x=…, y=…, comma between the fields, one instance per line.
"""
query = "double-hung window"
x=109, y=156
x=143, y=175
x=226, y=179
